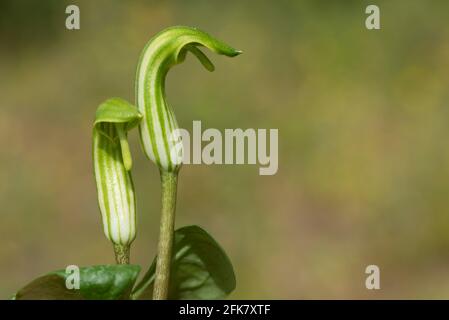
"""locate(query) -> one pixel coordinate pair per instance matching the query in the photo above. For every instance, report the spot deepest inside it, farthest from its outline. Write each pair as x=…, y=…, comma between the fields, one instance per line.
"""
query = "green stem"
x=121, y=253
x=169, y=182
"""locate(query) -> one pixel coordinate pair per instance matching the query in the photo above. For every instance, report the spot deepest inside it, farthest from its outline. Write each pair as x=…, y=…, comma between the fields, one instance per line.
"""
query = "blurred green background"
x=363, y=123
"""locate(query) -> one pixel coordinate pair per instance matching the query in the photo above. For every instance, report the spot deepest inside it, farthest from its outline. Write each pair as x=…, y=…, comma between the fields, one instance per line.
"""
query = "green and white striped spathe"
x=160, y=139
x=112, y=164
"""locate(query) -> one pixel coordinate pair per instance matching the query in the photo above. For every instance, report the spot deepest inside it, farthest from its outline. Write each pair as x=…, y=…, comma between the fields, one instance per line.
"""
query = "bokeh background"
x=363, y=123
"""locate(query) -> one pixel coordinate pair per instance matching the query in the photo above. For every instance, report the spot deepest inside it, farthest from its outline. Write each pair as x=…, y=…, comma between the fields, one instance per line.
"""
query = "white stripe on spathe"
x=163, y=51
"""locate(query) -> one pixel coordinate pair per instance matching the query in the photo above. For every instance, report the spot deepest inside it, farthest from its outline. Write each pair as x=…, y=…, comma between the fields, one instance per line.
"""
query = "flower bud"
x=160, y=138
x=112, y=164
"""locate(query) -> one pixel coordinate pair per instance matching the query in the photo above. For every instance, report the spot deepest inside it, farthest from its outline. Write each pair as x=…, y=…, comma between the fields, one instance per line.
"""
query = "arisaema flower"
x=158, y=130
x=112, y=164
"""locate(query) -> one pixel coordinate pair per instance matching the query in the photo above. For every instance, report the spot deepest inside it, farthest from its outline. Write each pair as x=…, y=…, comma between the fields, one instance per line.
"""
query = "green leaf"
x=200, y=269
x=103, y=282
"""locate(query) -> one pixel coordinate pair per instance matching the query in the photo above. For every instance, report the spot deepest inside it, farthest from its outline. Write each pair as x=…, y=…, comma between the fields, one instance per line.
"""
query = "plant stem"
x=121, y=253
x=169, y=182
